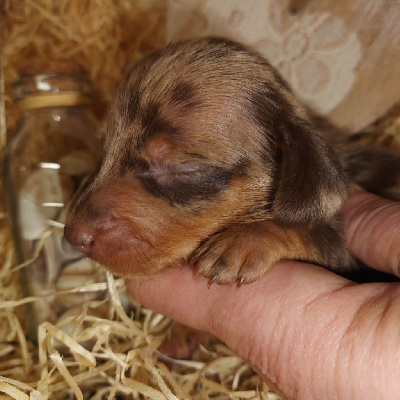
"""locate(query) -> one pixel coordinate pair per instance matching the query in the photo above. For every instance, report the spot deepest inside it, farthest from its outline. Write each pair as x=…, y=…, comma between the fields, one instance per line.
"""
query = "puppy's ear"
x=311, y=185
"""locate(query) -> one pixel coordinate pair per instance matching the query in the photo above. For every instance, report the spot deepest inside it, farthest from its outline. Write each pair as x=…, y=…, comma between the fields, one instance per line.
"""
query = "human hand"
x=309, y=333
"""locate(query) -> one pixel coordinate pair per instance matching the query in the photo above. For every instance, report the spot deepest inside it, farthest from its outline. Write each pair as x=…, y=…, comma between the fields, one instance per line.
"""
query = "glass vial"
x=52, y=150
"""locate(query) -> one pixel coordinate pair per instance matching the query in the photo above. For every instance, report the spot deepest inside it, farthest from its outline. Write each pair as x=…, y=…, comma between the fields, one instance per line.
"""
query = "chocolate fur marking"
x=209, y=157
x=132, y=107
x=185, y=95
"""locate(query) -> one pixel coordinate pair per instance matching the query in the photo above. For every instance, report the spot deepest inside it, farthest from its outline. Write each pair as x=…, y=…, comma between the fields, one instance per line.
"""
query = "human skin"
x=309, y=333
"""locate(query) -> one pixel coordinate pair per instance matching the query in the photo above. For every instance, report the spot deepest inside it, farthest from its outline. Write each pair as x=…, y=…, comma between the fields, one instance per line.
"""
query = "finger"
x=191, y=301
x=372, y=230
x=292, y=325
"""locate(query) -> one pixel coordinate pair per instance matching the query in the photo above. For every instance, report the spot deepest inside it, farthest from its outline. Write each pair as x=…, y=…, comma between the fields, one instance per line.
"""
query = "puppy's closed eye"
x=185, y=183
x=168, y=171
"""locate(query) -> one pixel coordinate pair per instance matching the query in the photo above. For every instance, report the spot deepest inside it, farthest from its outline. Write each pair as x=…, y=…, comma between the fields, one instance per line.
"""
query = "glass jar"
x=53, y=149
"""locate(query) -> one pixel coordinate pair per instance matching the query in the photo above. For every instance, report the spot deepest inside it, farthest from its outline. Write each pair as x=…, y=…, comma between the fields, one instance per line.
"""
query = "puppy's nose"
x=80, y=237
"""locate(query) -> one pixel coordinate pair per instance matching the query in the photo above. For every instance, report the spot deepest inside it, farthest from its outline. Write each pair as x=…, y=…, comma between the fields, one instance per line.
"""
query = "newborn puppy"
x=210, y=158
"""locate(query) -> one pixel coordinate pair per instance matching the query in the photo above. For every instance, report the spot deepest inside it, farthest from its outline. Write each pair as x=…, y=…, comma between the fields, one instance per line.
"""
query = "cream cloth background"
x=341, y=57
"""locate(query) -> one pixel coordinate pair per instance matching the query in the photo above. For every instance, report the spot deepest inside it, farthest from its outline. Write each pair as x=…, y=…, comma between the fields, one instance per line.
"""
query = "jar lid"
x=51, y=89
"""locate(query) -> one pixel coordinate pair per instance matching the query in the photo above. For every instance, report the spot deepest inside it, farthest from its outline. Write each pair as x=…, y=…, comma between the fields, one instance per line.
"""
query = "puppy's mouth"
x=118, y=249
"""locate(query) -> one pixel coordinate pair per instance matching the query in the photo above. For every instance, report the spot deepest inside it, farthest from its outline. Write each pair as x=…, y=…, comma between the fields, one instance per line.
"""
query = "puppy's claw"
x=239, y=282
x=195, y=272
x=211, y=281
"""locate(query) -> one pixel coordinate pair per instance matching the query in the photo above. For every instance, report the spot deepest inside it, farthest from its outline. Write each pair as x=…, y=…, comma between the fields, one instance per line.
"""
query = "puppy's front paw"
x=244, y=252
x=241, y=254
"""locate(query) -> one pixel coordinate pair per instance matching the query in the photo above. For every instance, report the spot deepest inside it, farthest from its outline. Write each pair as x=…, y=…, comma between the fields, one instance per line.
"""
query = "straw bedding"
x=110, y=347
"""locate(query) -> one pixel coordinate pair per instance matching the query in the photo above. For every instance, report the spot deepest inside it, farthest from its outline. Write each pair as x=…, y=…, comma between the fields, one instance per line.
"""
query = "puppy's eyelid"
x=188, y=166
x=186, y=182
x=179, y=169
x=195, y=155
x=165, y=173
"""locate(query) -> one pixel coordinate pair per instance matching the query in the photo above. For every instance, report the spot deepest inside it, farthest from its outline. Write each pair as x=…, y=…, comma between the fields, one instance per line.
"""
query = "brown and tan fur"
x=210, y=158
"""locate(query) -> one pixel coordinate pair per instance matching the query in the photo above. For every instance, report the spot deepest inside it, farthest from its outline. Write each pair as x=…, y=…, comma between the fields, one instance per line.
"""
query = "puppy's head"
x=200, y=135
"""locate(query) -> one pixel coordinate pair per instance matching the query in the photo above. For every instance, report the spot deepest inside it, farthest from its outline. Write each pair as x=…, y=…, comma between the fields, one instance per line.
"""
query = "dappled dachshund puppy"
x=210, y=158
